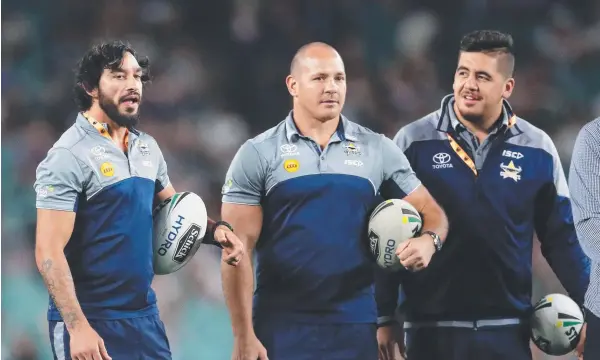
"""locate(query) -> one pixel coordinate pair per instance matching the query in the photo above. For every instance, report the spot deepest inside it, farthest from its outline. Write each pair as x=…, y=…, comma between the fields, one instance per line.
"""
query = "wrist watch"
x=437, y=241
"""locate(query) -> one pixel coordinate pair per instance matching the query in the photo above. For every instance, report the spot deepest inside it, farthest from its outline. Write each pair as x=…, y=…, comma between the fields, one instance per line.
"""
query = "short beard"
x=113, y=113
x=474, y=119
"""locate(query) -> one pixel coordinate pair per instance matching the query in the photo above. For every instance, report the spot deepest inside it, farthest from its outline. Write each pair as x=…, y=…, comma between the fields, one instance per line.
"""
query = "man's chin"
x=127, y=120
x=469, y=113
x=327, y=115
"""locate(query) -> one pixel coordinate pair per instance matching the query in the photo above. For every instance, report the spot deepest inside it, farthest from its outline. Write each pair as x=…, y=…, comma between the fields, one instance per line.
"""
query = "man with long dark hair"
x=95, y=194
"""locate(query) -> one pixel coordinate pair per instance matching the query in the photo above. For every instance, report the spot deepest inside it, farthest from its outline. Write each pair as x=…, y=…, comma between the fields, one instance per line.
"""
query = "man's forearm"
x=59, y=281
x=387, y=289
x=435, y=220
x=238, y=286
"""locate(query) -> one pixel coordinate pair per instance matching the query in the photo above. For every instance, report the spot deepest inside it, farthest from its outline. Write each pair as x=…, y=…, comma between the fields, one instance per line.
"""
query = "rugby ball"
x=556, y=322
x=392, y=223
x=179, y=227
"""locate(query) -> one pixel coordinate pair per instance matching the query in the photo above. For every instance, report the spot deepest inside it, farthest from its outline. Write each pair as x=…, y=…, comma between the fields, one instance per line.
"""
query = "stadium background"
x=219, y=69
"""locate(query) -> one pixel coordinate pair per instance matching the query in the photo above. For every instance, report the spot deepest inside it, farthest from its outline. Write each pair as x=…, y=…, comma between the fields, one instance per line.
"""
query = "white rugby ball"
x=556, y=322
x=392, y=223
x=179, y=227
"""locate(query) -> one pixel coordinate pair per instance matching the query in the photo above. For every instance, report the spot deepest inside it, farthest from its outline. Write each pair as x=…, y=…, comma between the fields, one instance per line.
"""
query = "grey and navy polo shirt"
x=311, y=262
x=112, y=194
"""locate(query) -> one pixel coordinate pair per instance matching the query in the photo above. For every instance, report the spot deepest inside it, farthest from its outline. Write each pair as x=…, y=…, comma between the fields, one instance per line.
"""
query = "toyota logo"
x=441, y=158
x=288, y=148
x=98, y=150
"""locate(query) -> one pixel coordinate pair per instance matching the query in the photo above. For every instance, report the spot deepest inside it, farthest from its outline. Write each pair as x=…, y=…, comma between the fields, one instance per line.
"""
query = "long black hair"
x=106, y=55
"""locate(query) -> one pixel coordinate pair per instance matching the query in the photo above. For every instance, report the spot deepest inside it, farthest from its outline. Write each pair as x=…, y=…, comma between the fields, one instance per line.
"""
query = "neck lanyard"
x=102, y=130
x=464, y=156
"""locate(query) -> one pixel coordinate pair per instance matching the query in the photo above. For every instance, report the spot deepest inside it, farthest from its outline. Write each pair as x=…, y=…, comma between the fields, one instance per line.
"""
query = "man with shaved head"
x=299, y=197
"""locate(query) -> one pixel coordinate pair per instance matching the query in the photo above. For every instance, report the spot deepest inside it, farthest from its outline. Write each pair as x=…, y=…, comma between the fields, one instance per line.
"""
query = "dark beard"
x=473, y=119
x=113, y=113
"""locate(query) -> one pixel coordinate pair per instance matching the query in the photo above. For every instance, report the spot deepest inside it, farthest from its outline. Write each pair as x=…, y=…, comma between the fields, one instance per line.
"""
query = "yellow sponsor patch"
x=291, y=165
x=107, y=169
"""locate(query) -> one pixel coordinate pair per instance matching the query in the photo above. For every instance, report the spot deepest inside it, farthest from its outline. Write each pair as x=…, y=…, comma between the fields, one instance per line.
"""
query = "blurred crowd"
x=218, y=78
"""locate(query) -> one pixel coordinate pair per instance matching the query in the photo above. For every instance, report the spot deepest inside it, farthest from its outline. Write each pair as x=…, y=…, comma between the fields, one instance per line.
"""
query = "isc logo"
x=512, y=154
x=356, y=163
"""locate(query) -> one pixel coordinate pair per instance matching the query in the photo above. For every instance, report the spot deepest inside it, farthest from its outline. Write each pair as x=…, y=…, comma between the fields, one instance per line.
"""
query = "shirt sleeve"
x=245, y=179
x=401, y=139
x=59, y=181
x=556, y=231
x=399, y=179
x=162, y=177
x=584, y=184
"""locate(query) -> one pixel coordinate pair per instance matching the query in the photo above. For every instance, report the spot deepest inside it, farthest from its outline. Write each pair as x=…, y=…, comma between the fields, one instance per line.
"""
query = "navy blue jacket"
x=496, y=195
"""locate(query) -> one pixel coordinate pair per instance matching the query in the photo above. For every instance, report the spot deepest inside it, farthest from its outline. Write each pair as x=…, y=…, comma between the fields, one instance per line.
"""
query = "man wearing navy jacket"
x=499, y=179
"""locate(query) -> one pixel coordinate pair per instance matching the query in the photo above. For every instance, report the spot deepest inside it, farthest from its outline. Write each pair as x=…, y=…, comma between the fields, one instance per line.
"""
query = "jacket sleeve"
x=387, y=284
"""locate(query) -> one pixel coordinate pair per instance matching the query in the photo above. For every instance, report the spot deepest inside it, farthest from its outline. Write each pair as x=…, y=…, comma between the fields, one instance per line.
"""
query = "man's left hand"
x=581, y=343
x=415, y=254
x=233, y=248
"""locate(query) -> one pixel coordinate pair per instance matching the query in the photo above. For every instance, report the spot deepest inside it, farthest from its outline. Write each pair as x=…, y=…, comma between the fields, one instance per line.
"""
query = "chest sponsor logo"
x=107, y=169
x=510, y=171
x=99, y=153
x=356, y=163
x=512, y=154
x=291, y=165
x=442, y=161
x=289, y=150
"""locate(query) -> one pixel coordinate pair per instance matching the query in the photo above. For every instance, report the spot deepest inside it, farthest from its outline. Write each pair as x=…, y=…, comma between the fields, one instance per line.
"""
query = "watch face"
x=437, y=243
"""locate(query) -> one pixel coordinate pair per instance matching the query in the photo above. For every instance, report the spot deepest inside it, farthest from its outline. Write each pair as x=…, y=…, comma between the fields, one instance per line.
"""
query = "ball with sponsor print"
x=179, y=227
x=392, y=223
x=556, y=323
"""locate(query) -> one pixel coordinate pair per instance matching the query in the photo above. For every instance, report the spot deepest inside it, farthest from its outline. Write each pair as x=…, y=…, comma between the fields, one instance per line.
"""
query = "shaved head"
x=484, y=76
x=494, y=43
x=317, y=81
x=314, y=50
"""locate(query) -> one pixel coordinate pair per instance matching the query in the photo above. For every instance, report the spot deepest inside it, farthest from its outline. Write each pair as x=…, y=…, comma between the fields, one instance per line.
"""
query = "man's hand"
x=248, y=348
x=415, y=254
x=86, y=344
x=581, y=343
x=387, y=339
x=233, y=248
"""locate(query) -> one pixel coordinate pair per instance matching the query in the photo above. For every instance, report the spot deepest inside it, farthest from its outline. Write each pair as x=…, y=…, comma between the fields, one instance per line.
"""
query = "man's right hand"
x=387, y=339
x=248, y=348
x=86, y=344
